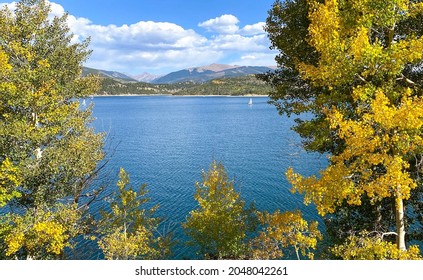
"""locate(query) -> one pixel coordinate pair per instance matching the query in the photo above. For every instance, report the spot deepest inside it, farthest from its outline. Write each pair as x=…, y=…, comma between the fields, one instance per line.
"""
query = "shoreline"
x=182, y=95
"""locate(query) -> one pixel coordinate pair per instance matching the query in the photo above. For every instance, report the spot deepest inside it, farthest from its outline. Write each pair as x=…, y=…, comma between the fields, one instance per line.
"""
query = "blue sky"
x=160, y=36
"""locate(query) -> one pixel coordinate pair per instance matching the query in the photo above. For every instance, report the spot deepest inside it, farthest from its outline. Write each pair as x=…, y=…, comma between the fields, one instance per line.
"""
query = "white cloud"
x=161, y=47
x=226, y=24
x=142, y=45
x=141, y=36
x=241, y=43
x=256, y=59
x=56, y=10
x=249, y=57
x=253, y=29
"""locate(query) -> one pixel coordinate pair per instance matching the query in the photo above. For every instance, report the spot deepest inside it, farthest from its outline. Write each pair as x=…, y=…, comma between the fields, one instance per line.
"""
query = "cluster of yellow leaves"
x=41, y=234
x=340, y=32
x=366, y=247
x=386, y=128
x=216, y=190
x=326, y=38
x=5, y=67
x=416, y=9
x=326, y=192
x=374, y=161
x=128, y=231
x=218, y=226
x=121, y=245
x=9, y=180
x=285, y=230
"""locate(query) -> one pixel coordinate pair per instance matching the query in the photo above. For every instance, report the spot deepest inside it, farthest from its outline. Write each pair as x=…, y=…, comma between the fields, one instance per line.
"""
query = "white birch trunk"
x=399, y=217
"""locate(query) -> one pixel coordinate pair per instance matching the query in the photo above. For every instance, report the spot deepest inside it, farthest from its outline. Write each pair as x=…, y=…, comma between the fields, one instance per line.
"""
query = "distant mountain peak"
x=200, y=74
x=146, y=77
x=206, y=73
x=107, y=74
x=215, y=67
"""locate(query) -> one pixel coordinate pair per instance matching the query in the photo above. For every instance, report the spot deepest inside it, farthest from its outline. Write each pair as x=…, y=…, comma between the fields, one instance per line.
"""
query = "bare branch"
x=361, y=78
x=388, y=233
x=407, y=80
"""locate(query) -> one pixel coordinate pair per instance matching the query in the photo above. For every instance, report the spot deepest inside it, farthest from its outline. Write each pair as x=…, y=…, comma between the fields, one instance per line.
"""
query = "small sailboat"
x=250, y=102
x=84, y=103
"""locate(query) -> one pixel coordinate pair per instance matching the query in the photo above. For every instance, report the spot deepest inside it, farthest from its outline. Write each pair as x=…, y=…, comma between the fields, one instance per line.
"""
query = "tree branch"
x=407, y=80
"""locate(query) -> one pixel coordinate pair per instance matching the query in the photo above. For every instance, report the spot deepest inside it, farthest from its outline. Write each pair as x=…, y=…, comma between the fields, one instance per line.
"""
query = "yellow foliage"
x=219, y=225
x=282, y=231
x=5, y=67
x=340, y=32
x=374, y=111
x=41, y=234
x=119, y=245
x=128, y=231
x=53, y=234
x=416, y=9
x=14, y=243
x=9, y=181
x=366, y=247
x=374, y=160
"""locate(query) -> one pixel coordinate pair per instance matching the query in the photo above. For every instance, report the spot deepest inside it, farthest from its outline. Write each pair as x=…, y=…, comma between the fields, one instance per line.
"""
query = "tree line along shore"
x=235, y=86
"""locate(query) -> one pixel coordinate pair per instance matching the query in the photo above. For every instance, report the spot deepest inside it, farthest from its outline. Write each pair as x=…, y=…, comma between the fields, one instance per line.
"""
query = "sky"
x=161, y=36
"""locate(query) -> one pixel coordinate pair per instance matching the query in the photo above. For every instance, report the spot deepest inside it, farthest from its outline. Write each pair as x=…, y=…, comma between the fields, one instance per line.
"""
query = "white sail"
x=250, y=102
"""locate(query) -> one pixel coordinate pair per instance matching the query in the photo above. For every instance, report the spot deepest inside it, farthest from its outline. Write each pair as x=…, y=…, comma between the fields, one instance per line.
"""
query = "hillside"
x=236, y=86
x=210, y=72
x=107, y=74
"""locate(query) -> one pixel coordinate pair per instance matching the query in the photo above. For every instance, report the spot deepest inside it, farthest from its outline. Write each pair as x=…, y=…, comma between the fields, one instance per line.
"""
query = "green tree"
x=219, y=226
x=48, y=151
x=129, y=231
x=43, y=131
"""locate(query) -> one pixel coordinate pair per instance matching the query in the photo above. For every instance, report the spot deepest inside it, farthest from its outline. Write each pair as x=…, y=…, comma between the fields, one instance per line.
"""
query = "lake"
x=166, y=142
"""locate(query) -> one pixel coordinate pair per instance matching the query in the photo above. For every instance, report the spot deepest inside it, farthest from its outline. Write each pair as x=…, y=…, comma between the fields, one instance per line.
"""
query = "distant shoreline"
x=182, y=95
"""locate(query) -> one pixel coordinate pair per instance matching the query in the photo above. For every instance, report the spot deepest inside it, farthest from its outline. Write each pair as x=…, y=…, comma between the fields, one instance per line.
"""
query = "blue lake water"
x=167, y=141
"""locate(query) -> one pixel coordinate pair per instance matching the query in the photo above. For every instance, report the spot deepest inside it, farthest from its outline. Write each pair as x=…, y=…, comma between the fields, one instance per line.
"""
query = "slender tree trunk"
x=296, y=252
x=38, y=152
x=125, y=235
x=399, y=217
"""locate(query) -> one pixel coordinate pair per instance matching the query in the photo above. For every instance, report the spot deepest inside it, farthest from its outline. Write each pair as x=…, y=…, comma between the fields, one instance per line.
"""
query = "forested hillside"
x=245, y=85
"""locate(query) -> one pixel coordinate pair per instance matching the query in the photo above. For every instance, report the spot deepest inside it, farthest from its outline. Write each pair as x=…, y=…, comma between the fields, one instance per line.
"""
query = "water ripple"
x=166, y=142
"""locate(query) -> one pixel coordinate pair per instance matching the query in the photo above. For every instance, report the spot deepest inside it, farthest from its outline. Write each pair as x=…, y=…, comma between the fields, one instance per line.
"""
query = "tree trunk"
x=399, y=217
x=296, y=252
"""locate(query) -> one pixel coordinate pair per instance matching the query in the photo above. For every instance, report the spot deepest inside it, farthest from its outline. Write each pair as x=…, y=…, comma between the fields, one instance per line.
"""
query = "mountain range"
x=206, y=73
x=146, y=77
x=108, y=74
x=194, y=75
